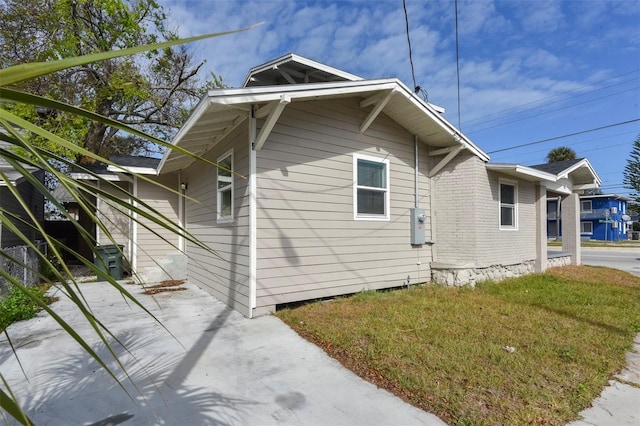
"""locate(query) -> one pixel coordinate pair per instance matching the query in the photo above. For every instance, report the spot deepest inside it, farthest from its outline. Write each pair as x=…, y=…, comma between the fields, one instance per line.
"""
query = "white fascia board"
x=259, y=94
x=292, y=57
x=614, y=196
x=438, y=118
x=136, y=170
x=524, y=171
x=87, y=176
x=191, y=120
x=583, y=163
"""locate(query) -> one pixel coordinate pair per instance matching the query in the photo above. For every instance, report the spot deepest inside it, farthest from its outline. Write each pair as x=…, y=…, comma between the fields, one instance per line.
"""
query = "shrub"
x=18, y=306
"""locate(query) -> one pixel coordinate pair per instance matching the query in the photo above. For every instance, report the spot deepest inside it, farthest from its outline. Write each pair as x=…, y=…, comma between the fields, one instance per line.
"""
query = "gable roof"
x=294, y=69
x=222, y=110
x=557, y=166
x=580, y=169
x=555, y=175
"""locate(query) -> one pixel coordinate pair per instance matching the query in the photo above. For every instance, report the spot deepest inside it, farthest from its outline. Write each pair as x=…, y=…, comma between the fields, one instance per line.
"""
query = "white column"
x=571, y=227
x=541, y=228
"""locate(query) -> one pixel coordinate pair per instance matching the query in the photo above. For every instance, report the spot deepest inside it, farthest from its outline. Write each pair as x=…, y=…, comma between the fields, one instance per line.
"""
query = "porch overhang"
x=576, y=178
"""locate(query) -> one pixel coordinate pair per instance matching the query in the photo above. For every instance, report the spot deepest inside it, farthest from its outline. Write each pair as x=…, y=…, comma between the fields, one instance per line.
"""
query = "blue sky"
x=529, y=70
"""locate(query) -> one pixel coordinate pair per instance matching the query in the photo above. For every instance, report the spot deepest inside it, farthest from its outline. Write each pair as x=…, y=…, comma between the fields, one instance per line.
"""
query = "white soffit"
x=522, y=172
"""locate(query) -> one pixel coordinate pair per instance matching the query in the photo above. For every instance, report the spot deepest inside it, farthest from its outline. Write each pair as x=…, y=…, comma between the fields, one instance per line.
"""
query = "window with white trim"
x=586, y=206
x=586, y=227
x=370, y=188
x=225, y=188
x=508, y=205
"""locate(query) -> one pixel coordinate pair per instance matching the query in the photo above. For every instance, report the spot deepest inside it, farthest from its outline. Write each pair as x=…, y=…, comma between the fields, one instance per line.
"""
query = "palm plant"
x=561, y=153
x=24, y=156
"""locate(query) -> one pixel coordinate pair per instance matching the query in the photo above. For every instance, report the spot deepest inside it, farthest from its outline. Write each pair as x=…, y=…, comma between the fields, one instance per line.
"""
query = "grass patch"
x=443, y=349
x=18, y=306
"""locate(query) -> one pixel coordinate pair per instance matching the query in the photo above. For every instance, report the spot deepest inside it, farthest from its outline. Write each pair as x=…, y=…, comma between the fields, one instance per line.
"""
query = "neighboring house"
x=152, y=252
x=331, y=184
x=601, y=217
x=13, y=209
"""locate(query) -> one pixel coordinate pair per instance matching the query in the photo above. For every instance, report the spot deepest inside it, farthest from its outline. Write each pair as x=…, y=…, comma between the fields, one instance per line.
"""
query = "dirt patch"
x=164, y=286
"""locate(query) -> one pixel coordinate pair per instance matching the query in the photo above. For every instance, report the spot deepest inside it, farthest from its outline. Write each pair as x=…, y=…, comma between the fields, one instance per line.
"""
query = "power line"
x=458, y=63
x=406, y=22
x=559, y=94
x=564, y=136
x=610, y=136
x=548, y=112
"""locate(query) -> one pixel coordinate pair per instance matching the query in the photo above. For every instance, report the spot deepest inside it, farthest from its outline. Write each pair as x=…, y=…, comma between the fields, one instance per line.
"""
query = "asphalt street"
x=626, y=259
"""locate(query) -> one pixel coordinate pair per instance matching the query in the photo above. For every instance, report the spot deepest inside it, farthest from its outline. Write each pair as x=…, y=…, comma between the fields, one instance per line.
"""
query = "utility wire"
x=529, y=153
x=416, y=89
x=458, y=64
x=564, y=136
x=560, y=108
x=483, y=117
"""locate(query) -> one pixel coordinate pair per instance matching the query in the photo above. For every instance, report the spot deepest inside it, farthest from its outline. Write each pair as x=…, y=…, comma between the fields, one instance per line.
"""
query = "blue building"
x=600, y=217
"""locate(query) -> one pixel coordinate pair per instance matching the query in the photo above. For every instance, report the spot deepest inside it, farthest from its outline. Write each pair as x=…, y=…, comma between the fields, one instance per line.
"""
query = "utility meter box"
x=418, y=225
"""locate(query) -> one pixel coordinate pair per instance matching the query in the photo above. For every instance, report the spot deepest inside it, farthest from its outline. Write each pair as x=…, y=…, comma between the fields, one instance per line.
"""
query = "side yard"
x=532, y=350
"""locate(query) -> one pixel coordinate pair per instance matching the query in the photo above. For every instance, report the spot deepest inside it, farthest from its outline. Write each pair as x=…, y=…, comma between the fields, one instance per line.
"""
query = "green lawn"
x=443, y=349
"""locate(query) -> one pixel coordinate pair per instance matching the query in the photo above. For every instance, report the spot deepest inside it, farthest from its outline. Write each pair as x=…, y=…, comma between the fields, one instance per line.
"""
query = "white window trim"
x=590, y=206
x=387, y=199
x=585, y=232
x=219, y=217
x=515, y=205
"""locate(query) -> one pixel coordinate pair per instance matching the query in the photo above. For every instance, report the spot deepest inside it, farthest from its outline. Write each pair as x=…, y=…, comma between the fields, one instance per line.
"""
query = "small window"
x=585, y=206
x=586, y=227
x=508, y=206
x=371, y=188
x=225, y=188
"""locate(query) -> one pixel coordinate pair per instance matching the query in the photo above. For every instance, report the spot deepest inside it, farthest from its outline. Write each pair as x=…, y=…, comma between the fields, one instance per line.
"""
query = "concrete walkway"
x=218, y=369
x=619, y=403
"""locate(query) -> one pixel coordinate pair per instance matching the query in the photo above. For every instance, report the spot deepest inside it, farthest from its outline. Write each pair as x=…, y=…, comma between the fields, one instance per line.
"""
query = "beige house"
x=331, y=184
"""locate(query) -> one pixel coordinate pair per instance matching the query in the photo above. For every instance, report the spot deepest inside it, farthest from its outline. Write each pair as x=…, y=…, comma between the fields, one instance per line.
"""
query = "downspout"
x=253, y=220
x=182, y=190
x=415, y=169
x=134, y=229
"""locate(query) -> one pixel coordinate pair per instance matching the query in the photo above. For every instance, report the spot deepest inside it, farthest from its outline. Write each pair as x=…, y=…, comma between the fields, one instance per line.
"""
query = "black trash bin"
x=108, y=259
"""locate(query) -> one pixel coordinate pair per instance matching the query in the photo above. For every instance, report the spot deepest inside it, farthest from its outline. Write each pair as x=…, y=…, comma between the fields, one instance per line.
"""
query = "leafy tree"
x=19, y=133
x=153, y=93
x=561, y=153
x=631, y=175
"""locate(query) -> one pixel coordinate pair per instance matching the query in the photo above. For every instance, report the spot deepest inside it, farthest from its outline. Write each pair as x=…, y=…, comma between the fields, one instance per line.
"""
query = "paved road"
x=625, y=259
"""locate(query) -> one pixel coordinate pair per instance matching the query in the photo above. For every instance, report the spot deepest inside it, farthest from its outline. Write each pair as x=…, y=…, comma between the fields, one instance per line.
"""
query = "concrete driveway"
x=218, y=368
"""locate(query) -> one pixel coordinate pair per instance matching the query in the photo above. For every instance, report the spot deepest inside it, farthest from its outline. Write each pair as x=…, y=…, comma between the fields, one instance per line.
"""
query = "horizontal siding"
x=308, y=244
x=154, y=241
x=225, y=275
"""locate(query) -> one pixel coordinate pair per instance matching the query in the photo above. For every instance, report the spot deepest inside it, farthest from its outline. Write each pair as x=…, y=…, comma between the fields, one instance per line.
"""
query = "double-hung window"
x=225, y=188
x=585, y=206
x=371, y=188
x=586, y=227
x=508, y=205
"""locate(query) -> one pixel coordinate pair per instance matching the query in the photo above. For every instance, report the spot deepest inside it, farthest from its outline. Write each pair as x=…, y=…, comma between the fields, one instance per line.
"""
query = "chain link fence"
x=26, y=267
